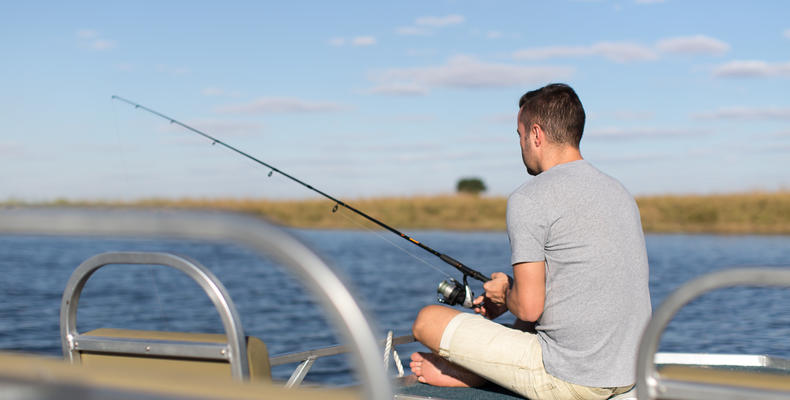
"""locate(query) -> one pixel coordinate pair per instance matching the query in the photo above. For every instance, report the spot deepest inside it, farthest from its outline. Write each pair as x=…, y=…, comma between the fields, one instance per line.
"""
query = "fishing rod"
x=451, y=291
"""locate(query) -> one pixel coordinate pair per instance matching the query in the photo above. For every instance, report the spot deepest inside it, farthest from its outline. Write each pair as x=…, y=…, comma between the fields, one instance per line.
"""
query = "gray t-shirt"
x=586, y=227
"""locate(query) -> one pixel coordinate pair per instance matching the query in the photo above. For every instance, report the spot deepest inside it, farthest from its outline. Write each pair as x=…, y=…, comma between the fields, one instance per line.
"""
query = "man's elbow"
x=529, y=314
x=530, y=311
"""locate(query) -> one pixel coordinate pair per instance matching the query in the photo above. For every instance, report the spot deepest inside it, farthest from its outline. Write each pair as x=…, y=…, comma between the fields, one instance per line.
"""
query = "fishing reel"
x=452, y=293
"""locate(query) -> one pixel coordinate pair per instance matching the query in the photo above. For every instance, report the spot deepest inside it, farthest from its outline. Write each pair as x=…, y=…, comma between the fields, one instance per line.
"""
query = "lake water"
x=392, y=282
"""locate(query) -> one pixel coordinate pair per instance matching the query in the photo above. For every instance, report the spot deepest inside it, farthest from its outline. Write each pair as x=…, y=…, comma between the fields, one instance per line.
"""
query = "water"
x=391, y=284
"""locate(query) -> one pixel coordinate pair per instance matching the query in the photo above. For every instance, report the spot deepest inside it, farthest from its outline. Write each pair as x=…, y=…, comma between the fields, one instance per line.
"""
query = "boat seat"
x=26, y=376
x=114, y=356
x=754, y=379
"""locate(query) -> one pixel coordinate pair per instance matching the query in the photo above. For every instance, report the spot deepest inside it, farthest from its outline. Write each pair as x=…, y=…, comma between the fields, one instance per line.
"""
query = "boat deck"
x=409, y=388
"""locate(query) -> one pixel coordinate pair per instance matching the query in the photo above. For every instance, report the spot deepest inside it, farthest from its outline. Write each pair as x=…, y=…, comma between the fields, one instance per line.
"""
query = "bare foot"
x=436, y=371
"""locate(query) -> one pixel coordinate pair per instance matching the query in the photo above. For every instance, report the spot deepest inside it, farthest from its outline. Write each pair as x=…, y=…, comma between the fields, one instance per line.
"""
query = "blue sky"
x=366, y=99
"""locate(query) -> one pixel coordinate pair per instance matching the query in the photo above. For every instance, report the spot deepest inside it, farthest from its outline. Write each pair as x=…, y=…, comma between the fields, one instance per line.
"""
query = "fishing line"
x=152, y=276
x=467, y=272
x=121, y=149
x=403, y=249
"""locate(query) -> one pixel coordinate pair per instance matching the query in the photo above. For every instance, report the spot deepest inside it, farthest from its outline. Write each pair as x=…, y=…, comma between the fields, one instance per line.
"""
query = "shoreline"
x=766, y=213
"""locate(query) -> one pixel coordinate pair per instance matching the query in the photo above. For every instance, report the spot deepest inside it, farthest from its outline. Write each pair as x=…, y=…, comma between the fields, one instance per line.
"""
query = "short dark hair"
x=557, y=109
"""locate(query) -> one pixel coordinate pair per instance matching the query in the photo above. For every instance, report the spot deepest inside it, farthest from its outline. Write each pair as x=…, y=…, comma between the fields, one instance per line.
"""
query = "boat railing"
x=652, y=384
x=234, y=351
x=264, y=238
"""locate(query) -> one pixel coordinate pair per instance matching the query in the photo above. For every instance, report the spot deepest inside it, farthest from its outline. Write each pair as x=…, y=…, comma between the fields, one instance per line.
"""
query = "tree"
x=470, y=186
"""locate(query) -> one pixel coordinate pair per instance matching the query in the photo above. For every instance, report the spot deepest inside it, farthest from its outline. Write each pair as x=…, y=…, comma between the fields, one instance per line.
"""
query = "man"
x=580, y=274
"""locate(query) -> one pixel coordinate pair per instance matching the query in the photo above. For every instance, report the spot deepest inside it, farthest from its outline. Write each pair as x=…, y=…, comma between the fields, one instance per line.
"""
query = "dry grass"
x=763, y=213
x=758, y=212
x=435, y=212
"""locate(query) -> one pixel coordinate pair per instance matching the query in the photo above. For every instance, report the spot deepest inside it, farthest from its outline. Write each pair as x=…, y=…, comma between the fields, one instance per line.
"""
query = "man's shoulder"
x=587, y=175
x=528, y=191
x=566, y=182
x=555, y=176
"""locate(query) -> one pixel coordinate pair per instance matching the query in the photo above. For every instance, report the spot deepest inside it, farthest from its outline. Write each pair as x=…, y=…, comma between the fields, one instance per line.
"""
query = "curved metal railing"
x=234, y=352
x=262, y=237
x=649, y=383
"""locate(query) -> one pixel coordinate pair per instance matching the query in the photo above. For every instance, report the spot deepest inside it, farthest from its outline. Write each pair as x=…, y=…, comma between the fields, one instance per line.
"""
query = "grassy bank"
x=434, y=212
x=763, y=213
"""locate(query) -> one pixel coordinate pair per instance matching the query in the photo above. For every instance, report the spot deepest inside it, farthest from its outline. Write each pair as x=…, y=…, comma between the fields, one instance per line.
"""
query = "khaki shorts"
x=510, y=358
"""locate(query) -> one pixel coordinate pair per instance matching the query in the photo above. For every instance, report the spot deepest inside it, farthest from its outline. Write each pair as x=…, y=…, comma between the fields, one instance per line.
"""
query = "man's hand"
x=498, y=287
x=493, y=304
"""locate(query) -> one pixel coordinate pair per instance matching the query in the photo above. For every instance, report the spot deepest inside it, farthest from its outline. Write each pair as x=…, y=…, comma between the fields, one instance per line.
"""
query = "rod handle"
x=463, y=268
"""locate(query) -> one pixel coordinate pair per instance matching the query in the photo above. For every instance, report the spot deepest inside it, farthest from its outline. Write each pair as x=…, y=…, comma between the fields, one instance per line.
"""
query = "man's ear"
x=537, y=135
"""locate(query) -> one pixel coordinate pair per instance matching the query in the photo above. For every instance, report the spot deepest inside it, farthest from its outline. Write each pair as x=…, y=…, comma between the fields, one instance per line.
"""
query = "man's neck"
x=560, y=155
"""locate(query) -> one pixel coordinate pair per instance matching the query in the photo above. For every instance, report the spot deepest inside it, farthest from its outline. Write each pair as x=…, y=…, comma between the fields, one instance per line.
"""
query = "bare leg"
x=429, y=367
x=429, y=326
x=436, y=371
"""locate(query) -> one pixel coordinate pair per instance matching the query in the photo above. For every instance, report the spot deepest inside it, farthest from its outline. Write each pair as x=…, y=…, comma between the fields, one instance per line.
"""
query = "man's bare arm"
x=527, y=294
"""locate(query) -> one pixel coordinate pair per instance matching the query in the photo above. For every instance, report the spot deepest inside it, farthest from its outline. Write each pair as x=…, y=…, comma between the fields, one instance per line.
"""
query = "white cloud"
x=399, y=89
x=10, y=149
x=409, y=118
x=747, y=113
x=642, y=133
x=92, y=39
x=752, y=68
x=699, y=44
x=634, y=115
x=424, y=26
x=639, y=158
x=628, y=51
x=227, y=128
x=787, y=33
x=215, y=127
x=412, y=31
x=494, y=35
x=503, y=118
x=398, y=148
x=87, y=34
x=103, y=44
x=363, y=41
x=542, y=53
x=275, y=105
x=212, y=91
x=615, y=51
x=356, y=41
x=624, y=51
x=649, y=1
x=438, y=22
x=468, y=72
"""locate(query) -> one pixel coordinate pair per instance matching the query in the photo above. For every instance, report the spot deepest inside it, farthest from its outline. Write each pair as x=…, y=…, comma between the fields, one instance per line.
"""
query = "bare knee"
x=423, y=321
x=430, y=323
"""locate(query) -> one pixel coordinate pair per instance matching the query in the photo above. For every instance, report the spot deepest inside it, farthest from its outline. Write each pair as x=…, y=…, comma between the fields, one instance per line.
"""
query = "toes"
x=416, y=368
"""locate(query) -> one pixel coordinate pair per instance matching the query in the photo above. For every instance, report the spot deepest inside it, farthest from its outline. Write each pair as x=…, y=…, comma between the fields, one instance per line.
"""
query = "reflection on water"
x=389, y=281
